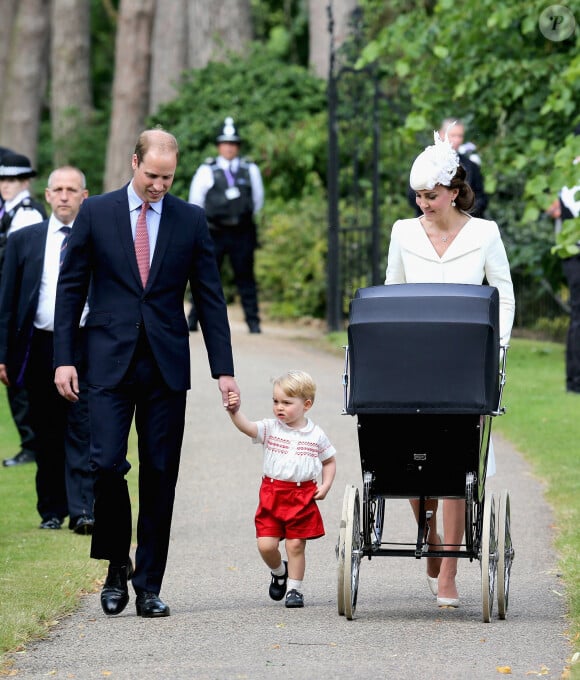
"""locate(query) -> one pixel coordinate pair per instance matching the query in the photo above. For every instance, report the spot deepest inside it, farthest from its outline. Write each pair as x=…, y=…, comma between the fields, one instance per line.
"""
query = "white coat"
x=476, y=255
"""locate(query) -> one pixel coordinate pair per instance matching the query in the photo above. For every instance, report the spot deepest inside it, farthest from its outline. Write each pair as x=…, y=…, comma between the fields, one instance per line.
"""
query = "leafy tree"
x=263, y=94
x=280, y=113
x=489, y=64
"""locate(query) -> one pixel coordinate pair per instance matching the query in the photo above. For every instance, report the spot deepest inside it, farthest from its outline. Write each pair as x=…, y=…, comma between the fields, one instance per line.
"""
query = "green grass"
x=543, y=423
x=44, y=573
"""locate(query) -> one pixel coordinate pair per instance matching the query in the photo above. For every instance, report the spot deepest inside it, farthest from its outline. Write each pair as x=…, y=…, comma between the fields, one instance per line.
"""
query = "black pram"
x=424, y=374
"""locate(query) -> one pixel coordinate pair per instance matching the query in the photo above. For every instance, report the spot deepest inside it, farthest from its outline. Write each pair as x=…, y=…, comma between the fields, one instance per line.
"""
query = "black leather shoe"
x=115, y=593
x=19, y=459
x=83, y=525
x=149, y=606
x=278, y=584
x=254, y=327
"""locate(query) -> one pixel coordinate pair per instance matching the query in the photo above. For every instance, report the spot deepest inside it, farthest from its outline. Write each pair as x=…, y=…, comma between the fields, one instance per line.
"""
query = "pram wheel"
x=352, y=552
x=505, y=554
x=488, y=557
x=340, y=551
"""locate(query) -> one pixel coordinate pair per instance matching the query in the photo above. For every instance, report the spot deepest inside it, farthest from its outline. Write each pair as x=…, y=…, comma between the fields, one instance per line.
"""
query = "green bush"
x=291, y=263
x=554, y=330
x=280, y=113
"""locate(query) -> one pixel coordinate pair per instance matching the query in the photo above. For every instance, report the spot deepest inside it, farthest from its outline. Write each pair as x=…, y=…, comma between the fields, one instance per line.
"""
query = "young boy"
x=296, y=452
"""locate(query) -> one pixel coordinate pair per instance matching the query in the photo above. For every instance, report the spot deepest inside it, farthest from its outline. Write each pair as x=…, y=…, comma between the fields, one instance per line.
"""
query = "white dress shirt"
x=203, y=181
x=44, y=319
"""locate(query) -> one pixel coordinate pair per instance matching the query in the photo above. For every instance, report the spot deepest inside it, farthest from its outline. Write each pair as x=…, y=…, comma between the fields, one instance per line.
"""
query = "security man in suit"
x=231, y=191
x=134, y=251
x=64, y=482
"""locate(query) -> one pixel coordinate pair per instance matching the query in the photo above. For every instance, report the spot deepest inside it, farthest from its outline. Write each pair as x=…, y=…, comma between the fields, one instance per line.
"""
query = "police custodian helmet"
x=228, y=132
x=15, y=166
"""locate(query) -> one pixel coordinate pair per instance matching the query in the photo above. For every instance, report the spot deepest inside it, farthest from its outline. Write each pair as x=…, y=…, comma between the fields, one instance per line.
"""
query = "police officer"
x=19, y=210
x=231, y=191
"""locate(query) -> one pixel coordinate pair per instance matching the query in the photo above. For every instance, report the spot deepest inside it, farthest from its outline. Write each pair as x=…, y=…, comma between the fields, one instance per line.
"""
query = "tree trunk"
x=6, y=28
x=130, y=87
x=168, y=51
x=217, y=27
x=318, y=21
x=25, y=77
x=71, y=100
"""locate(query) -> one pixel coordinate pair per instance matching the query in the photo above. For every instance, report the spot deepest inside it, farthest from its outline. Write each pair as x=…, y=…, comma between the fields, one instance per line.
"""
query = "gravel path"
x=223, y=625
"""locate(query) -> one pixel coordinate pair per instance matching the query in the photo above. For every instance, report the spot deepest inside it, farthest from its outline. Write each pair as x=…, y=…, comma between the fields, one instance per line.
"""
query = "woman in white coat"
x=446, y=245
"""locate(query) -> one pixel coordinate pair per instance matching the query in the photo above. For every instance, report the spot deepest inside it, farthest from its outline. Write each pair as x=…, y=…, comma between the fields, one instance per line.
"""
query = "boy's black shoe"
x=278, y=584
x=294, y=599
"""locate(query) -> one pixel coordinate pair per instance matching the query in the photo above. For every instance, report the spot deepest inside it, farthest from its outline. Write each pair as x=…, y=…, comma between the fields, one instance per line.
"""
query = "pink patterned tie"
x=142, y=244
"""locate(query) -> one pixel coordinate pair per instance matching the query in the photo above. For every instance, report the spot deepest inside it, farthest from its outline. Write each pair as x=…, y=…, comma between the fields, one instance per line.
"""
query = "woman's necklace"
x=448, y=235
x=445, y=237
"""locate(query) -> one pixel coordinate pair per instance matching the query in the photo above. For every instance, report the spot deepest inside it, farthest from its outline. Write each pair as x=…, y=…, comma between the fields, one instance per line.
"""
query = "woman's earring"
x=453, y=204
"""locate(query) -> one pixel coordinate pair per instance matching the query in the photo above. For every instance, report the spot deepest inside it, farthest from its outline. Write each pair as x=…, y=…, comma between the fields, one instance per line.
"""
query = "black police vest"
x=27, y=203
x=227, y=212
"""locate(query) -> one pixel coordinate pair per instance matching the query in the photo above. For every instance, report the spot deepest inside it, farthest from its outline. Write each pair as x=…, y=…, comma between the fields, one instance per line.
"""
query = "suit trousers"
x=571, y=268
x=20, y=409
x=64, y=482
x=239, y=244
x=159, y=422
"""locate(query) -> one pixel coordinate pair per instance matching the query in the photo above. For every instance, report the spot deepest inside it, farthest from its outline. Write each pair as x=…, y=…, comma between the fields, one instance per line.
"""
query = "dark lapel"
x=33, y=265
x=36, y=247
x=123, y=221
x=168, y=222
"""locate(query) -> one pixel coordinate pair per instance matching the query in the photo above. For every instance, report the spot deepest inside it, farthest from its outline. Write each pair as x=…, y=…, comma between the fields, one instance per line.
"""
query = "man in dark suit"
x=64, y=483
x=134, y=251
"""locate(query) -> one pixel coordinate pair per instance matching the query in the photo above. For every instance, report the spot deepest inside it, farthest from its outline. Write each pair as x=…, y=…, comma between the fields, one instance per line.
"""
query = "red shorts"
x=288, y=510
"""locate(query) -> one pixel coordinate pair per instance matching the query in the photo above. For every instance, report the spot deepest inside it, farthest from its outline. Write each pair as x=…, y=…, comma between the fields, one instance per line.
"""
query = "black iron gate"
x=354, y=108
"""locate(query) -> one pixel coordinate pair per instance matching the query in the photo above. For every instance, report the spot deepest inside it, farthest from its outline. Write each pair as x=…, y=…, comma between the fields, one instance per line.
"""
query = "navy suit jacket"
x=101, y=254
x=21, y=277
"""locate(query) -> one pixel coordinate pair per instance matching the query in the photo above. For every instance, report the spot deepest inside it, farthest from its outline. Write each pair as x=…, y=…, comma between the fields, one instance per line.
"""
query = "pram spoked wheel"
x=340, y=555
x=353, y=553
x=506, y=553
x=488, y=560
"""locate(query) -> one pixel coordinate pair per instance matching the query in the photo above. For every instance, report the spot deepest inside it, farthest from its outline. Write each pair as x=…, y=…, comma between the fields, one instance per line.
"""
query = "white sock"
x=293, y=584
x=280, y=571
